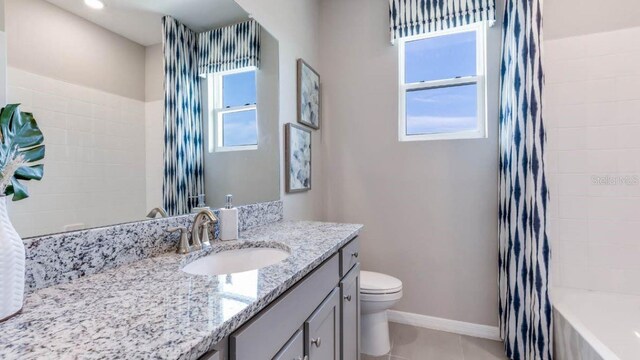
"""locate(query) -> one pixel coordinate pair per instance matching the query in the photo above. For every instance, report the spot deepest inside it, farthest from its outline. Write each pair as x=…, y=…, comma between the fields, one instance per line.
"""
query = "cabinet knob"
x=347, y=297
x=317, y=342
x=355, y=254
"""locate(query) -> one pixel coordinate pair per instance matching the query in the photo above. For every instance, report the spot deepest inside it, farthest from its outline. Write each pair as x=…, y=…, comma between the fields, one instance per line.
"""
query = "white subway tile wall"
x=154, y=144
x=592, y=113
x=95, y=156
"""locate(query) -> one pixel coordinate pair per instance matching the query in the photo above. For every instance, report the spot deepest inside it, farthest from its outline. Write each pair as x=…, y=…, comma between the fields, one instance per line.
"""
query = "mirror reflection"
x=147, y=109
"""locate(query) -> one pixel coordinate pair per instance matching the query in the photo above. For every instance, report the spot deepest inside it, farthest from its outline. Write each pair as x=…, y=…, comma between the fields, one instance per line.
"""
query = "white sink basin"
x=235, y=261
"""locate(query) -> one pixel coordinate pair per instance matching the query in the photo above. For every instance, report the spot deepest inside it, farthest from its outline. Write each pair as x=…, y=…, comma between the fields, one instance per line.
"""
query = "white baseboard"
x=452, y=326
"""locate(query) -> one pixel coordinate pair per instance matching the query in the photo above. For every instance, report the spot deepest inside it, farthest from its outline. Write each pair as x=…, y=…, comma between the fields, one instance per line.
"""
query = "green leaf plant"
x=21, y=145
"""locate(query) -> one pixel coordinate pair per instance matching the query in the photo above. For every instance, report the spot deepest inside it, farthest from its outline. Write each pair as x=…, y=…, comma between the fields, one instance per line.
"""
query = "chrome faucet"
x=199, y=232
x=155, y=211
x=200, y=228
x=183, y=244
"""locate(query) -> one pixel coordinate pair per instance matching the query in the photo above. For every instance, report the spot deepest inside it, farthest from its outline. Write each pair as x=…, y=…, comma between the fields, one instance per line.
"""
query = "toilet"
x=378, y=292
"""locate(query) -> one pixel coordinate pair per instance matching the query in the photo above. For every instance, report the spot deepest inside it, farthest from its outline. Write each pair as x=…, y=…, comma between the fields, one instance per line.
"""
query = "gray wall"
x=429, y=207
x=252, y=176
x=1, y=15
x=3, y=57
x=295, y=23
x=154, y=72
x=49, y=41
x=564, y=18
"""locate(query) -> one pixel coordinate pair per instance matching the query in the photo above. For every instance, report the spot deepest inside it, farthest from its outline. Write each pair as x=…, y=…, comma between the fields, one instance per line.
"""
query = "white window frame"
x=479, y=79
x=217, y=111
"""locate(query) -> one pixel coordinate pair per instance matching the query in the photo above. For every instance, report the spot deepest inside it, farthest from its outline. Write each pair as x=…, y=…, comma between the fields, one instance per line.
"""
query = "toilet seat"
x=379, y=285
x=381, y=297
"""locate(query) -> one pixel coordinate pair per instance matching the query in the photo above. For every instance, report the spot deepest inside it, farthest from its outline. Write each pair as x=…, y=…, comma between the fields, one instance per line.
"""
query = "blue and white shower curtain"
x=183, y=153
x=524, y=259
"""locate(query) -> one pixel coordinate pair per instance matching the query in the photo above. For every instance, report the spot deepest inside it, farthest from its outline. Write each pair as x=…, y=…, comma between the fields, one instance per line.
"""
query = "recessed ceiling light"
x=94, y=4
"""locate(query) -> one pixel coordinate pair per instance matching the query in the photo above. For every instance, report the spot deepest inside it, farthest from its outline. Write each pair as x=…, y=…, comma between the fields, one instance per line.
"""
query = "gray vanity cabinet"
x=322, y=330
x=317, y=319
x=294, y=349
x=350, y=314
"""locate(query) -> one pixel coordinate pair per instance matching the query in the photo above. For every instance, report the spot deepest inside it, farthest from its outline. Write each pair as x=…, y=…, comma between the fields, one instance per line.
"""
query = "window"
x=442, y=87
x=234, y=114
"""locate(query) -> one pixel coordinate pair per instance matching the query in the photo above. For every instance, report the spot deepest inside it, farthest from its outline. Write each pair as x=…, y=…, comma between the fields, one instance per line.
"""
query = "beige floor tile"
x=482, y=349
x=385, y=357
x=415, y=343
x=367, y=357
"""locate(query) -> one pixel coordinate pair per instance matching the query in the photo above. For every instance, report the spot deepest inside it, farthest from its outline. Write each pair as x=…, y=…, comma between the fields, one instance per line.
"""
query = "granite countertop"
x=152, y=309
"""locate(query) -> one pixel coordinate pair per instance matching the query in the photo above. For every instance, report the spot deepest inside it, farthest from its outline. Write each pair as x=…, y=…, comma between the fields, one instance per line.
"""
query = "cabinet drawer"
x=350, y=314
x=294, y=350
x=322, y=330
x=349, y=256
x=266, y=333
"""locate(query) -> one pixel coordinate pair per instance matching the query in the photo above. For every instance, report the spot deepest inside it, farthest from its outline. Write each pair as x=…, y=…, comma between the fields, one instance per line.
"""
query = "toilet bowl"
x=378, y=292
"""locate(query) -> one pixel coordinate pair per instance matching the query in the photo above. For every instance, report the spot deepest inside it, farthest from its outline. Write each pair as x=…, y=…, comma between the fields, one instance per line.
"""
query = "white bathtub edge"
x=579, y=327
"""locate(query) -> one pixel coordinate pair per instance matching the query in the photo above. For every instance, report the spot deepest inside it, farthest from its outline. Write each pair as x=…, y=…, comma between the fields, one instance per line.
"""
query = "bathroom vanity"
x=304, y=306
x=103, y=279
x=318, y=317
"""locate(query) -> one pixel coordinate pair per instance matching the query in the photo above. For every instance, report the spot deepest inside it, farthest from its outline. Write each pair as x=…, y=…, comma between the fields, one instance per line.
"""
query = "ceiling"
x=139, y=20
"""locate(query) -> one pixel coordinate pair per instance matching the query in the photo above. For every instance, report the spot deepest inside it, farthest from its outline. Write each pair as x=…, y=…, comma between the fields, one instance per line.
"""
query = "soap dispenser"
x=228, y=220
x=201, y=205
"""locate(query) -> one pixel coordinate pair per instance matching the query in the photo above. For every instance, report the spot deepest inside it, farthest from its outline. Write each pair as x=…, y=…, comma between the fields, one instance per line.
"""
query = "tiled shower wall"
x=95, y=162
x=592, y=111
x=154, y=129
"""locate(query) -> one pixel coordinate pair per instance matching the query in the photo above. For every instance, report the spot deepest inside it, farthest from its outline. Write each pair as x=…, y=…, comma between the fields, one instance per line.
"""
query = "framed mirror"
x=98, y=81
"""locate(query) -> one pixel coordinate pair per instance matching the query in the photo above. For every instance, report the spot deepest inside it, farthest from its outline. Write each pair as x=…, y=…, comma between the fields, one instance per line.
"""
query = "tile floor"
x=413, y=343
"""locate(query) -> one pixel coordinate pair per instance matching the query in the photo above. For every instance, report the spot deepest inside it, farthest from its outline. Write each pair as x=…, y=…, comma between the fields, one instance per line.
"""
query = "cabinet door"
x=350, y=319
x=322, y=330
x=294, y=349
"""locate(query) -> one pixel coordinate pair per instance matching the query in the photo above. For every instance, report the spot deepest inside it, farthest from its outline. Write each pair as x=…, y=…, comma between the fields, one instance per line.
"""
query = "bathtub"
x=591, y=325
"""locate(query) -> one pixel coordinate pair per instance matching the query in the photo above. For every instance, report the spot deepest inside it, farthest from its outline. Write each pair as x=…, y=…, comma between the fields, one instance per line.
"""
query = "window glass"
x=440, y=57
x=239, y=128
x=442, y=110
x=239, y=89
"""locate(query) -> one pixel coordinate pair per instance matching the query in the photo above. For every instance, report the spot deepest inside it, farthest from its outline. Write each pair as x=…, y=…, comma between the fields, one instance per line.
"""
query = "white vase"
x=12, y=263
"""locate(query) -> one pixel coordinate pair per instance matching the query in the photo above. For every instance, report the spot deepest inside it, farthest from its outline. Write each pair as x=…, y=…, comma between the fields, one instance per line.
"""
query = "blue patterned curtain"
x=525, y=305
x=183, y=165
x=415, y=17
x=230, y=47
